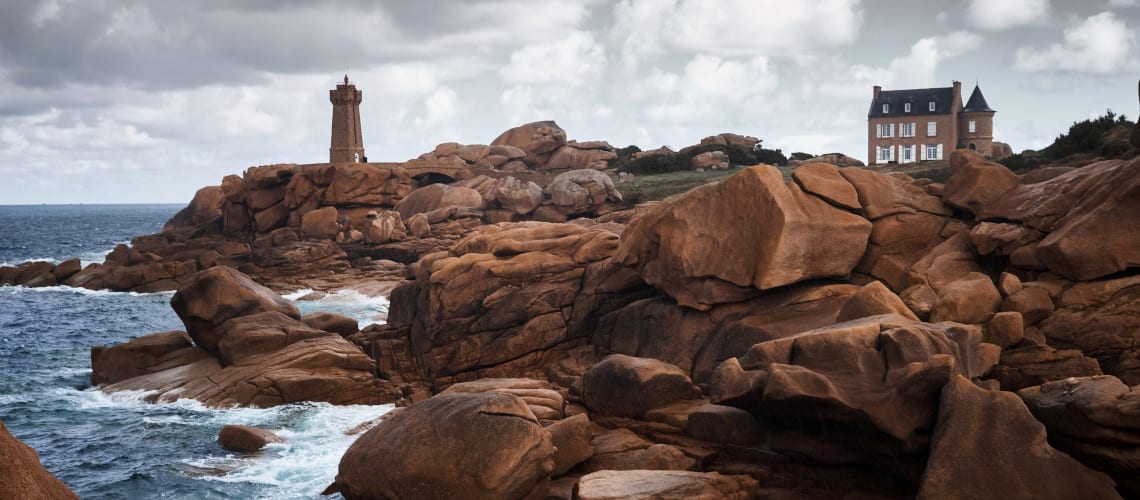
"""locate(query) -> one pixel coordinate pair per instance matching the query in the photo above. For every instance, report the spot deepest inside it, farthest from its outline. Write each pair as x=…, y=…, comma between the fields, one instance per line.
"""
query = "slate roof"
x=977, y=102
x=943, y=98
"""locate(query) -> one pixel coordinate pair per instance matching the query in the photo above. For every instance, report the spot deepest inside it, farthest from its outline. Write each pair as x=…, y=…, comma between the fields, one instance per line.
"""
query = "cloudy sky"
x=134, y=101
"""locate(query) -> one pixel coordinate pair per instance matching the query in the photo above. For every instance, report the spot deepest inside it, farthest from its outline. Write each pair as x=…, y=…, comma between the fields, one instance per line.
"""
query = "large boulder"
x=140, y=356
x=987, y=445
x=320, y=223
x=205, y=207
x=24, y=477
x=365, y=184
x=245, y=439
x=498, y=303
x=1088, y=215
x=538, y=139
x=477, y=446
x=1102, y=320
x=867, y=387
x=438, y=196
x=582, y=191
x=626, y=386
x=622, y=449
x=578, y=155
x=220, y=294
x=1096, y=420
x=764, y=233
x=518, y=196
x=975, y=182
x=664, y=485
x=824, y=181
x=711, y=160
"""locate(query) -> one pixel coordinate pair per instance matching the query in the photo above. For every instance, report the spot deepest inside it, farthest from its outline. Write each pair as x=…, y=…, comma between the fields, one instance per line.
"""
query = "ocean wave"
x=81, y=291
x=365, y=309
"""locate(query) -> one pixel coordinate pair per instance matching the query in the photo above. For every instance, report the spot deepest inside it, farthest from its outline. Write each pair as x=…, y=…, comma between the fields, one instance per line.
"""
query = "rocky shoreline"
x=844, y=333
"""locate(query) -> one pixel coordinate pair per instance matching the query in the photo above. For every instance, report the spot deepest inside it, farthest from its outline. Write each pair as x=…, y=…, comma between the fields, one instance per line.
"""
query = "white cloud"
x=735, y=27
x=1100, y=44
x=995, y=15
x=710, y=89
x=917, y=69
x=575, y=60
x=1123, y=3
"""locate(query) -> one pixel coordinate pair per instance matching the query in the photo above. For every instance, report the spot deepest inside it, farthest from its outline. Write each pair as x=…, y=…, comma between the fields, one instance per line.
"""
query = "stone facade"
x=907, y=126
x=346, y=145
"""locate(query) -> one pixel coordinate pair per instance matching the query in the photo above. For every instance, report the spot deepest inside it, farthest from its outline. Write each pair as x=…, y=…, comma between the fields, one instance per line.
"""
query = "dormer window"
x=932, y=105
x=886, y=108
x=906, y=107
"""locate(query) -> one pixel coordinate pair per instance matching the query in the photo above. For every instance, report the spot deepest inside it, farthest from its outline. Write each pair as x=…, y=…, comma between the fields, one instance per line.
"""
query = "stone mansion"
x=906, y=126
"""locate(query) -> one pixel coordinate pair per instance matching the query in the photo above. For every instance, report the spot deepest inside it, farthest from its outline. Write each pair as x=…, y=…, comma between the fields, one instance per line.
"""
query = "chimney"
x=878, y=88
x=957, y=91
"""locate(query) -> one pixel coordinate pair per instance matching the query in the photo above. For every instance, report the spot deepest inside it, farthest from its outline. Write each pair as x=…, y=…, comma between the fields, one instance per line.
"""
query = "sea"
x=115, y=445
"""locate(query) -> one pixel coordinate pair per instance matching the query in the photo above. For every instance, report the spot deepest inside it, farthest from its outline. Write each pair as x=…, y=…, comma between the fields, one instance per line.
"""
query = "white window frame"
x=886, y=108
x=931, y=129
x=972, y=126
x=932, y=105
x=906, y=108
x=906, y=129
x=907, y=155
x=933, y=152
x=884, y=155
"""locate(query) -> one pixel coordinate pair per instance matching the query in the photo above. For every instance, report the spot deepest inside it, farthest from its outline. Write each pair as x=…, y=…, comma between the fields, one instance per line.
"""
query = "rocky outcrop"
x=763, y=230
x=625, y=386
x=538, y=139
x=712, y=160
x=251, y=349
x=582, y=191
x=1102, y=320
x=575, y=155
x=1082, y=215
x=478, y=446
x=24, y=476
x=499, y=303
x=866, y=389
x=975, y=182
x=1096, y=420
x=438, y=197
x=968, y=459
x=245, y=439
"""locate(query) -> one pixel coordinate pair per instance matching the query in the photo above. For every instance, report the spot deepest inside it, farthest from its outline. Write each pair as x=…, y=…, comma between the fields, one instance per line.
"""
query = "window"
x=886, y=108
x=908, y=153
x=906, y=107
x=885, y=154
x=932, y=152
x=906, y=130
x=932, y=105
x=973, y=125
x=931, y=129
x=885, y=130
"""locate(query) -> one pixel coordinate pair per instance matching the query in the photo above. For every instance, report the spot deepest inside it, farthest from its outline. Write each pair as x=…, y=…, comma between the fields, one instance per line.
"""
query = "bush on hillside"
x=801, y=156
x=771, y=156
x=1086, y=137
x=656, y=164
x=737, y=155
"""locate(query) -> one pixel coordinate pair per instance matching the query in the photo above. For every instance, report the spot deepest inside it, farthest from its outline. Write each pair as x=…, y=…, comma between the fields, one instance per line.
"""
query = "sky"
x=130, y=101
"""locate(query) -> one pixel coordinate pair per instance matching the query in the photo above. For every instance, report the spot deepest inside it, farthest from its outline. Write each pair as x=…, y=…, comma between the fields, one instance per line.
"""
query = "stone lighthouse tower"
x=346, y=145
x=976, y=124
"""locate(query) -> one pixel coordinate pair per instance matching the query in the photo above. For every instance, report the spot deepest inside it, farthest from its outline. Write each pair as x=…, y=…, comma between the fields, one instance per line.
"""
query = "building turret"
x=347, y=145
x=976, y=124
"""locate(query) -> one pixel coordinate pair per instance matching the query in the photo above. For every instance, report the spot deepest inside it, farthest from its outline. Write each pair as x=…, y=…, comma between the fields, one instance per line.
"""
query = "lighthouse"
x=346, y=145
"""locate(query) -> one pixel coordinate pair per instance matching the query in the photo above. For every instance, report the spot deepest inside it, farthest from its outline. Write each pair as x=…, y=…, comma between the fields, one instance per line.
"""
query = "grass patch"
x=645, y=188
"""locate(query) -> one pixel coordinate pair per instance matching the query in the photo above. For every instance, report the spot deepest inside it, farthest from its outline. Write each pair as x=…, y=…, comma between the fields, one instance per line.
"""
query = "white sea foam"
x=315, y=439
x=14, y=263
x=81, y=291
x=365, y=309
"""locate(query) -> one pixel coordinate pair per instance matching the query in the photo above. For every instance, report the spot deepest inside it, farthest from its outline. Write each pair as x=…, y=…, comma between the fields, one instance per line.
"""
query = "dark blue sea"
x=116, y=446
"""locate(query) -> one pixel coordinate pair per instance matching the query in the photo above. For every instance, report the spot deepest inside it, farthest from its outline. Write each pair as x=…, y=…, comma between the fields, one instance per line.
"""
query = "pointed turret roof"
x=977, y=102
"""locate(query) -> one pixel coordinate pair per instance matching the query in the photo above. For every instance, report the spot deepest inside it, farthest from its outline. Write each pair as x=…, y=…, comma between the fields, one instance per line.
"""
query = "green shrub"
x=656, y=164
x=1084, y=136
x=771, y=157
x=737, y=155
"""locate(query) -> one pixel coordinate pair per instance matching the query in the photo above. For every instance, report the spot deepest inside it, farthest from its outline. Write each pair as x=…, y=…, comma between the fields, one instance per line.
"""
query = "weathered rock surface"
x=218, y=295
x=1102, y=320
x=486, y=445
x=824, y=181
x=582, y=191
x=626, y=386
x=665, y=485
x=538, y=139
x=245, y=439
x=764, y=232
x=438, y=196
x=572, y=442
x=1087, y=216
x=24, y=477
x=1096, y=420
x=866, y=387
x=581, y=155
x=520, y=197
x=975, y=182
x=971, y=458
x=621, y=449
